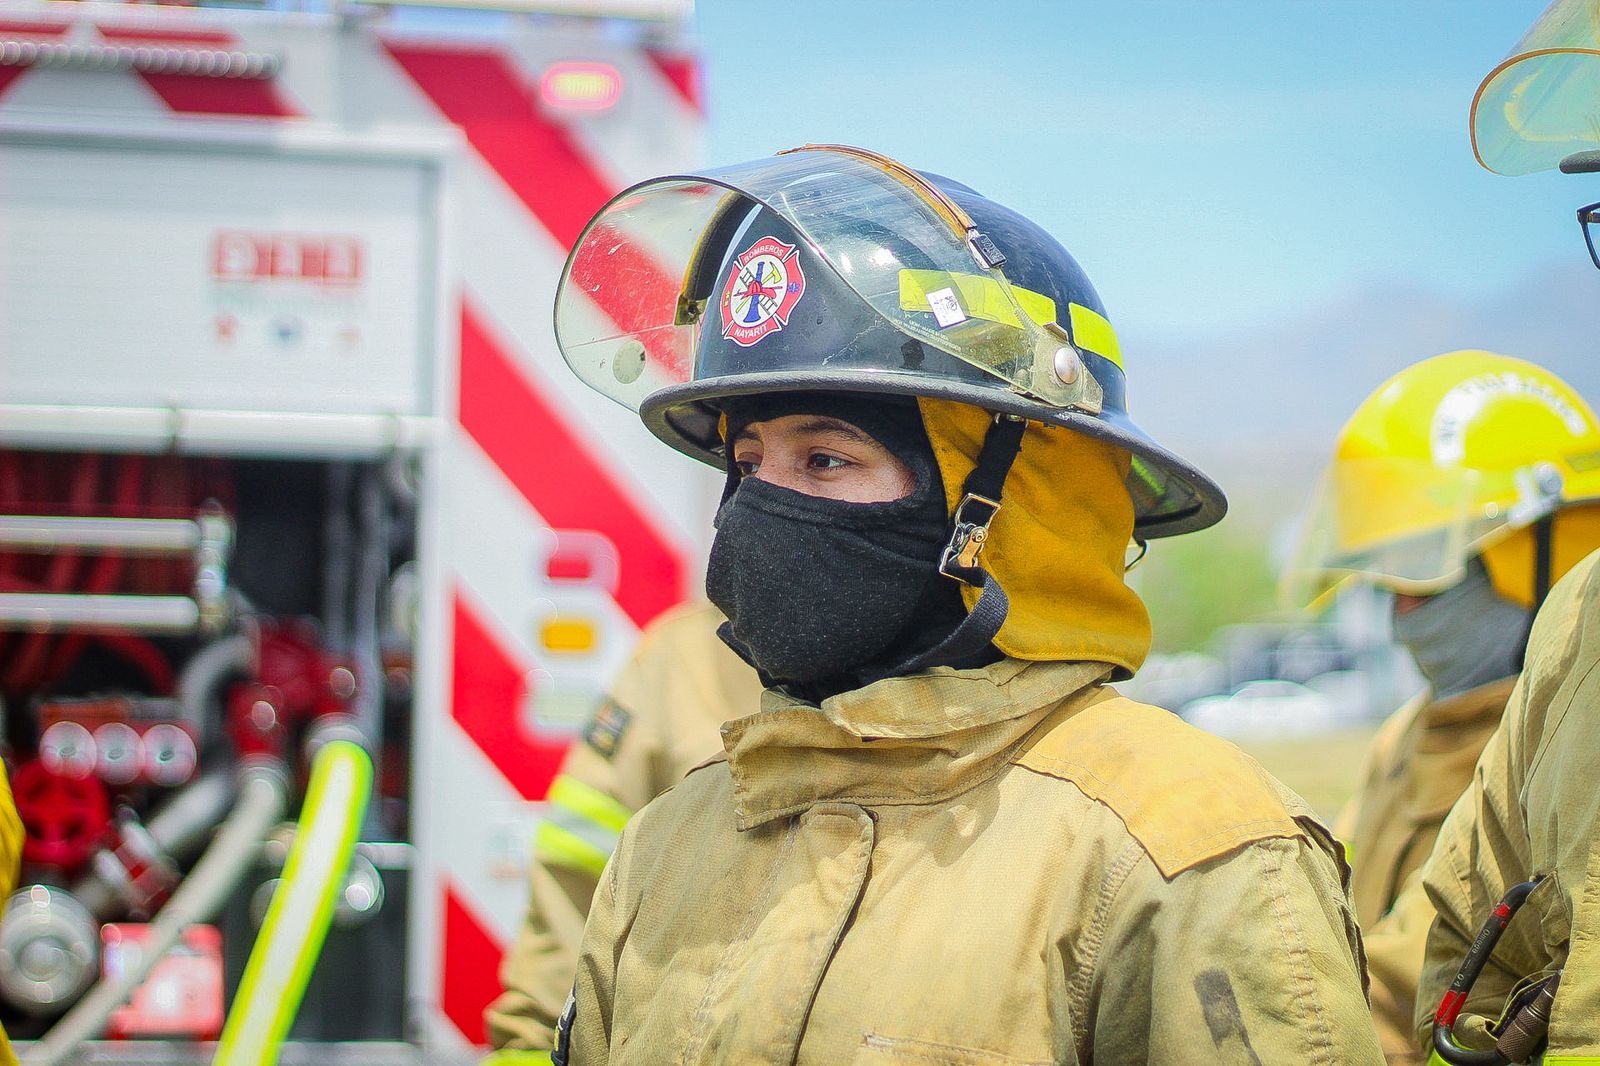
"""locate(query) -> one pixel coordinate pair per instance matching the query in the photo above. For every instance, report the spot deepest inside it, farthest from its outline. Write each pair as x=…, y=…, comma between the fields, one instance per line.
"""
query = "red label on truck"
x=237, y=255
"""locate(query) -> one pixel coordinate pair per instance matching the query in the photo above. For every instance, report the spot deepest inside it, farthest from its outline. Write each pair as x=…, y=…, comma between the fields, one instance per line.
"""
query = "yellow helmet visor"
x=1542, y=102
x=1406, y=525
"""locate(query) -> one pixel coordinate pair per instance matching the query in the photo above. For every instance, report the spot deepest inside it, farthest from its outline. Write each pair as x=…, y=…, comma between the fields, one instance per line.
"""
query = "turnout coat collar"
x=904, y=740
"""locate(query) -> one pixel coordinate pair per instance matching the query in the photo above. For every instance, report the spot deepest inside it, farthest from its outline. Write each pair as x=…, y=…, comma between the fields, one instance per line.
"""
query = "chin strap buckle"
x=969, y=535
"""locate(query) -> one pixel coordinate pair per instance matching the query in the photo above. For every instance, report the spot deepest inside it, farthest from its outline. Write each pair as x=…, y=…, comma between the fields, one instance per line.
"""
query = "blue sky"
x=1212, y=164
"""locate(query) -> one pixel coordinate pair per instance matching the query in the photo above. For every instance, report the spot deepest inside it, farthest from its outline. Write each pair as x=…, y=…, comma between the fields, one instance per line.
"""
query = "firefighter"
x=1442, y=485
x=11, y=833
x=1532, y=813
x=659, y=721
x=943, y=837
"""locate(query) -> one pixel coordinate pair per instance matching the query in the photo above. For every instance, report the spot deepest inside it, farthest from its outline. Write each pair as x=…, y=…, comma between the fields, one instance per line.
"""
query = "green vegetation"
x=1198, y=583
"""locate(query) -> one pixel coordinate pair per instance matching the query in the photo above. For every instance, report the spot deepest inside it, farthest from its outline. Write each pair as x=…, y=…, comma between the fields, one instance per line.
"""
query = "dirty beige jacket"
x=1533, y=807
x=988, y=867
x=661, y=719
x=1418, y=764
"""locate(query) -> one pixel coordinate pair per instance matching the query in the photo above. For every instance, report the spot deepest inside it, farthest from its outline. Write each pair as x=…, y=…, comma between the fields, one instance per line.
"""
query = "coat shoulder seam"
x=1187, y=797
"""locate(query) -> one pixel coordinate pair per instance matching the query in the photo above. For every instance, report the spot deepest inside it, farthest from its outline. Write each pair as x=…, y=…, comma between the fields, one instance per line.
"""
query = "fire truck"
x=289, y=462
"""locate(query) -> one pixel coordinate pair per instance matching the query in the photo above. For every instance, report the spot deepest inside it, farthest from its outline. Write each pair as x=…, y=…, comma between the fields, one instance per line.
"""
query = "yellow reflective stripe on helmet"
x=1092, y=330
x=557, y=846
x=589, y=802
x=510, y=1057
x=1569, y=1060
x=983, y=297
x=980, y=296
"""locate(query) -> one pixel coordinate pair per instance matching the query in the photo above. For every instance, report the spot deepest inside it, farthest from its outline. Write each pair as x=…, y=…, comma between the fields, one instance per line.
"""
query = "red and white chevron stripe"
x=535, y=451
x=537, y=481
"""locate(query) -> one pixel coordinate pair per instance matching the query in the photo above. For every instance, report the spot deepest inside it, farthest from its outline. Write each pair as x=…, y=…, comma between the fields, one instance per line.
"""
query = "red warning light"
x=575, y=86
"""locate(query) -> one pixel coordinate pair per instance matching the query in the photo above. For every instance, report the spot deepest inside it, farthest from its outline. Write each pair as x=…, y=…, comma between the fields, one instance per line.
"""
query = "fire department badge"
x=605, y=729
x=762, y=291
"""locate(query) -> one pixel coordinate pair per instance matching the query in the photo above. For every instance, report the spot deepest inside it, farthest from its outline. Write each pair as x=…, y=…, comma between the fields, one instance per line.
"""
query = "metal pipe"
x=211, y=567
x=297, y=921
x=372, y=571
x=205, y=672
x=263, y=790
x=336, y=560
x=175, y=832
x=37, y=611
x=273, y=434
x=133, y=536
x=182, y=825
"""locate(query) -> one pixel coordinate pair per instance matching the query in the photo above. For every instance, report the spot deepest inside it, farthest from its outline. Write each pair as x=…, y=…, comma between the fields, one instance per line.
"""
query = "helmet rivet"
x=628, y=363
x=1067, y=365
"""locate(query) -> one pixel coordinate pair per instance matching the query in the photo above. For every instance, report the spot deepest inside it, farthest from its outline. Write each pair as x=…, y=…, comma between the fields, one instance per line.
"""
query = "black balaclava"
x=1466, y=636
x=824, y=596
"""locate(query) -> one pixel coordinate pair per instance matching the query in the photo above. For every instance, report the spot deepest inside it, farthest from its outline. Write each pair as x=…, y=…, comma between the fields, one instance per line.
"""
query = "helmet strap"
x=1543, y=564
x=980, y=502
x=1543, y=551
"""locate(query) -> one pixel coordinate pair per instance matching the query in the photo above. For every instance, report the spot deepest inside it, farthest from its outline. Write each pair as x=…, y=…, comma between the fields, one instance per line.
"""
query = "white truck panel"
x=182, y=277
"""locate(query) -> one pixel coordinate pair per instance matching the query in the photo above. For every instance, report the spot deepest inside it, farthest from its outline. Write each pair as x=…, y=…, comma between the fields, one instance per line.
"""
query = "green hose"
x=297, y=920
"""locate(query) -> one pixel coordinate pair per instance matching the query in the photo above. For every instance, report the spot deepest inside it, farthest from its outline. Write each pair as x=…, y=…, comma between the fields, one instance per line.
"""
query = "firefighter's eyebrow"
x=820, y=424
x=838, y=427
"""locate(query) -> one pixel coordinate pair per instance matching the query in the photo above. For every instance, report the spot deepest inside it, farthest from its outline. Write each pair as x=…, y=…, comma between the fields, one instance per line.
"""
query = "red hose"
x=144, y=655
x=104, y=573
x=141, y=652
x=10, y=497
x=154, y=486
x=28, y=666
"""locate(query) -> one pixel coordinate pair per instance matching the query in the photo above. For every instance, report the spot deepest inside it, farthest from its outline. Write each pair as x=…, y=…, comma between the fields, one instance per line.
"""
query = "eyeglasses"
x=1588, y=218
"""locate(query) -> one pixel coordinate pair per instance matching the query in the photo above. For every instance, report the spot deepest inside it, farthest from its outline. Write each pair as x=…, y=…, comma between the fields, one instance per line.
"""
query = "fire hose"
x=297, y=920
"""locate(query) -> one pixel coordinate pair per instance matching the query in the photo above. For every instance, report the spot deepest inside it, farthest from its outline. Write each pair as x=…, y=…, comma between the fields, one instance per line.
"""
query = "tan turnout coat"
x=1419, y=764
x=988, y=867
x=661, y=720
x=1533, y=808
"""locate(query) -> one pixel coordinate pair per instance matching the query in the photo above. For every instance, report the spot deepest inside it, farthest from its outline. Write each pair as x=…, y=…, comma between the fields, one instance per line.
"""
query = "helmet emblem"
x=1453, y=417
x=762, y=290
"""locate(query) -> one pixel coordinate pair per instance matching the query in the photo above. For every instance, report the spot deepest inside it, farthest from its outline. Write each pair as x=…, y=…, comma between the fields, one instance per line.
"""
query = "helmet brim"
x=685, y=416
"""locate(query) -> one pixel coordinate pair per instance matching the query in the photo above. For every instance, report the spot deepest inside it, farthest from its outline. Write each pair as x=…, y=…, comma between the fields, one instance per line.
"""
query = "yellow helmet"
x=1456, y=456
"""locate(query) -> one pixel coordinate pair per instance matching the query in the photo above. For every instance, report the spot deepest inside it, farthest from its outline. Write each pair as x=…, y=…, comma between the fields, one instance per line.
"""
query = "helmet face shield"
x=617, y=304
x=1444, y=460
x=832, y=268
x=1405, y=525
x=1542, y=103
x=713, y=267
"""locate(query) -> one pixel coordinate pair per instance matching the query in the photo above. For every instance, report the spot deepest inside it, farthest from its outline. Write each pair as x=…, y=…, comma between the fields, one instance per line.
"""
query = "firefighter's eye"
x=746, y=467
x=827, y=461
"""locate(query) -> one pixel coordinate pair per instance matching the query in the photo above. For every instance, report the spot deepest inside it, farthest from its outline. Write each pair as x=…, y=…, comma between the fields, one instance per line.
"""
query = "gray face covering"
x=1466, y=636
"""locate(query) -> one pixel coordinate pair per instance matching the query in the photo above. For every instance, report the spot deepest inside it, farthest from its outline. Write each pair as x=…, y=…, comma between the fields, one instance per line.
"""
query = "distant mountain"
x=1259, y=408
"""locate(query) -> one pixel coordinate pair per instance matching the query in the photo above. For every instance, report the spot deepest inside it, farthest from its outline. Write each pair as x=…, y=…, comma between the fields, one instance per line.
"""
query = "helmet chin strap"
x=1543, y=564
x=980, y=502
